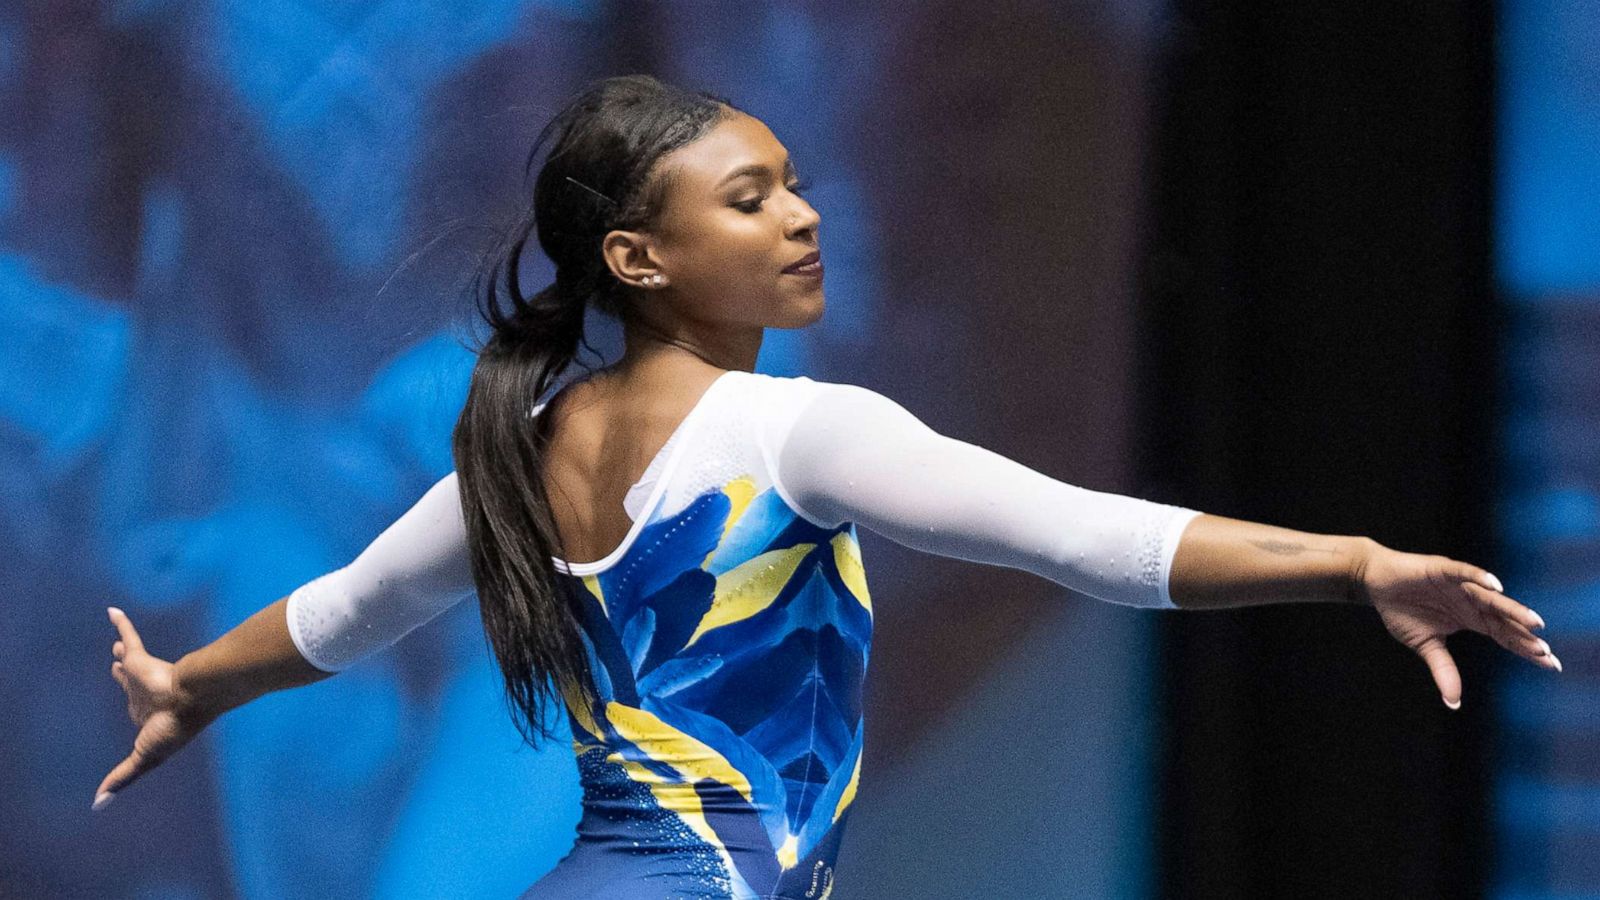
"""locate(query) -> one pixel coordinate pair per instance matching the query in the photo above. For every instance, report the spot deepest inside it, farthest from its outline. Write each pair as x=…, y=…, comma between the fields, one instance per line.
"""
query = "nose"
x=804, y=220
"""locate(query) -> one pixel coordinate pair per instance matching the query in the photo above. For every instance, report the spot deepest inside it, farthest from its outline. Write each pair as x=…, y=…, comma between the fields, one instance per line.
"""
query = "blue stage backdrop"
x=234, y=236
x=1548, y=790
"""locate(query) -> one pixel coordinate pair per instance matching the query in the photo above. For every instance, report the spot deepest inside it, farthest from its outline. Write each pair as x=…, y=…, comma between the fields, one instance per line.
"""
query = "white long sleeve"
x=835, y=453
x=847, y=453
x=415, y=570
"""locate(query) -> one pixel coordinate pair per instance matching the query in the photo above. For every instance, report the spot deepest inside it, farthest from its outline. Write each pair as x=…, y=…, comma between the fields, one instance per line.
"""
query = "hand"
x=156, y=705
x=1423, y=599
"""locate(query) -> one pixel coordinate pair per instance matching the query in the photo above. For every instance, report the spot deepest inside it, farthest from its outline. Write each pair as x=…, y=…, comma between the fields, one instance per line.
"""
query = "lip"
x=810, y=264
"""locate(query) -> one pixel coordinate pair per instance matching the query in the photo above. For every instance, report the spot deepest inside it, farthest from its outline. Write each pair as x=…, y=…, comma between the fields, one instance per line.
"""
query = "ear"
x=629, y=256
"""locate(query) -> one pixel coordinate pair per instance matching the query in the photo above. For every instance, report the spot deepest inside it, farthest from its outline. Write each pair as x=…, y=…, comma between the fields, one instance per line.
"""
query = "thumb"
x=125, y=773
x=1443, y=667
x=125, y=629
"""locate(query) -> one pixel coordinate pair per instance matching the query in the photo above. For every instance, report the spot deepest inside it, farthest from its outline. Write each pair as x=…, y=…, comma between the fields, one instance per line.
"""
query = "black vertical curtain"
x=1322, y=355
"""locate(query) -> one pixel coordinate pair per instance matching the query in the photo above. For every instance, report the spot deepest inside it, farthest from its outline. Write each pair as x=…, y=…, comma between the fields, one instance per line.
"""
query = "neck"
x=651, y=345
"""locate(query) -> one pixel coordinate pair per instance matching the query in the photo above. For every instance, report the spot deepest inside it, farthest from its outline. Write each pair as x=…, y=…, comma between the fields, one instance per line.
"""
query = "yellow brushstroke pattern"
x=740, y=492
x=690, y=758
x=750, y=587
x=581, y=712
x=666, y=744
x=592, y=582
x=847, y=557
x=679, y=798
x=849, y=793
x=788, y=853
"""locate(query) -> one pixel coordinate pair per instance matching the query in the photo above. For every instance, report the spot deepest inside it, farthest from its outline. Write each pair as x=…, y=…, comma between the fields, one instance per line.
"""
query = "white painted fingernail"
x=1495, y=583
x=1455, y=705
x=103, y=799
x=1544, y=649
x=1557, y=660
x=1538, y=618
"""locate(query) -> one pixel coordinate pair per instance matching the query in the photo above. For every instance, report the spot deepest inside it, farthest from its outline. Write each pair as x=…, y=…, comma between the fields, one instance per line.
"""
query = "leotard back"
x=730, y=630
x=730, y=637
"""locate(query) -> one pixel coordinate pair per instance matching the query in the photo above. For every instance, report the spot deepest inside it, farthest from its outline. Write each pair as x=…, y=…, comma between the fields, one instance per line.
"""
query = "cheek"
x=728, y=248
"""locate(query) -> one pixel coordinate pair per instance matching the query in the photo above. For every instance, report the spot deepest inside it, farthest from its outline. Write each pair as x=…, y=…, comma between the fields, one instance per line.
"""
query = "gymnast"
x=668, y=546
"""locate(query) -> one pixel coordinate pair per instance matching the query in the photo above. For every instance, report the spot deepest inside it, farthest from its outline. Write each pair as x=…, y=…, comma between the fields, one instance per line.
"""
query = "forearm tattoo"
x=1289, y=548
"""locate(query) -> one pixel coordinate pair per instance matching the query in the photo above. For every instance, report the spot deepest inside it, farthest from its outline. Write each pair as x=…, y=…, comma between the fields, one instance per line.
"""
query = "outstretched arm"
x=846, y=453
x=414, y=570
x=849, y=453
x=1421, y=598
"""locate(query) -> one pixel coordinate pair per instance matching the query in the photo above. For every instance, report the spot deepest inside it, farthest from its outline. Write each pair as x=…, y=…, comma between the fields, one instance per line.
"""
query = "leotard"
x=730, y=630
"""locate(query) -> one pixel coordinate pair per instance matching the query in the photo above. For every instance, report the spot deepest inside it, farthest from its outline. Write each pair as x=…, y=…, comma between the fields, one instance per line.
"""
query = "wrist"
x=1362, y=550
x=191, y=702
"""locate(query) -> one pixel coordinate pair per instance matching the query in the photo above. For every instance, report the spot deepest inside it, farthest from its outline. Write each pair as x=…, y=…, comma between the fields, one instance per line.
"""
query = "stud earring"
x=653, y=280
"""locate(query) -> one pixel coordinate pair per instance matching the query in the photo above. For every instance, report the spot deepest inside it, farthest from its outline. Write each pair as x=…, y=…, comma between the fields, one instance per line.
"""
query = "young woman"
x=668, y=546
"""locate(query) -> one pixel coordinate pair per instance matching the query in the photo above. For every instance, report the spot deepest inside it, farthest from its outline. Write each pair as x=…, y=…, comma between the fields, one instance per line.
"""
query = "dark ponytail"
x=598, y=176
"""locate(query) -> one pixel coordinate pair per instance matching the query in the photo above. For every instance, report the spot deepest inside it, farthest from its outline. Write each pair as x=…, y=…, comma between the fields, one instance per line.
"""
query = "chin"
x=809, y=313
x=796, y=312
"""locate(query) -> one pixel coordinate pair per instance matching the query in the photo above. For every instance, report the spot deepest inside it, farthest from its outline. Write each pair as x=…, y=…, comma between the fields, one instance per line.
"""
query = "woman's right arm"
x=256, y=657
x=417, y=568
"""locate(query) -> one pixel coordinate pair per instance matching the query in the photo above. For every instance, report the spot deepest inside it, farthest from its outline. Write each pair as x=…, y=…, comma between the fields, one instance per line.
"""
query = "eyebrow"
x=757, y=169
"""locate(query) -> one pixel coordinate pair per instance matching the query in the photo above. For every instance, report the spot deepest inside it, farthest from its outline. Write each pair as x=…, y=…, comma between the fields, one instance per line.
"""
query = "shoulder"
x=790, y=393
x=782, y=407
x=770, y=386
x=777, y=402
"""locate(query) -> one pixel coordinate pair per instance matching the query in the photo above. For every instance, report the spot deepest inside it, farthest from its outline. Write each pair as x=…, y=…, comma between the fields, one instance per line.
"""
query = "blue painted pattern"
x=729, y=645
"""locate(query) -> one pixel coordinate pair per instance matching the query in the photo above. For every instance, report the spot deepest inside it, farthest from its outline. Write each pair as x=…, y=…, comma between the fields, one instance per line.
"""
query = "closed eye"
x=753, y=205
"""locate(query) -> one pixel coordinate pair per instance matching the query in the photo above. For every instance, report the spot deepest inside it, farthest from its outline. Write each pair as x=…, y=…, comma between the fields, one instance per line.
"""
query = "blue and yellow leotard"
x=729, y=645
x=729, y=632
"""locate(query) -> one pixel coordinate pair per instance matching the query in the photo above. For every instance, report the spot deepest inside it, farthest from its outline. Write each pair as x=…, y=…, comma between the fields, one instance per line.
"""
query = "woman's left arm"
x=846, y=453
x=1422, y=599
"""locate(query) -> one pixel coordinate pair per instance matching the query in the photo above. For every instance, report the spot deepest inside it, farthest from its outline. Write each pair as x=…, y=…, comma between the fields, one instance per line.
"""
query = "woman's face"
x=730, y=223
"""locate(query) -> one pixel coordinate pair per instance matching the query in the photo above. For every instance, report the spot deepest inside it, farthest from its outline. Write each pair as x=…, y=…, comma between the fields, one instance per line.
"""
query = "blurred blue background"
x=1547, y=265
x=234, y=242
x=234, y=239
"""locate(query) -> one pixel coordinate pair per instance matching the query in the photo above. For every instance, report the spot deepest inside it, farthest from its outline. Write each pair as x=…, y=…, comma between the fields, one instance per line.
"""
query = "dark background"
x=1322, y=354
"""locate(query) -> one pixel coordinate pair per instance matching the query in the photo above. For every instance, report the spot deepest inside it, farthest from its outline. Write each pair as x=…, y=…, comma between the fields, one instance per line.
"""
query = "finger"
x=1443, y=667
x=1504, y=605
x=125, y=773
x=1493, y=612
x=118, y=649
x=1525, y=645
x=1516, y=639
x=120, y=674
x=1500, y=623
x=125, y=628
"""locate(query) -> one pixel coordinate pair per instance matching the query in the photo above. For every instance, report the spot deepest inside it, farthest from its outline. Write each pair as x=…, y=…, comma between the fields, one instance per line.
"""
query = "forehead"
x=732, y=144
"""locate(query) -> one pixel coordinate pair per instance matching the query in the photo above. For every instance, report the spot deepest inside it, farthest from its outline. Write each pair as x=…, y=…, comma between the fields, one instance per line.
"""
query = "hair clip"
x=591, y=190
